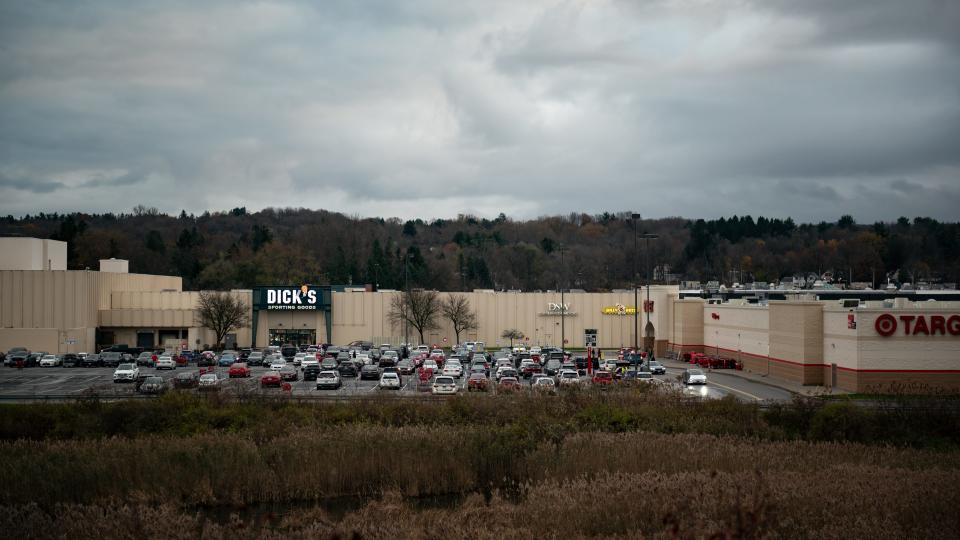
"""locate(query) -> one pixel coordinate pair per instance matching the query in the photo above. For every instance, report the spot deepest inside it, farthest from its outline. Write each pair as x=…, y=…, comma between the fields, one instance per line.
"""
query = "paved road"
x=41, y=383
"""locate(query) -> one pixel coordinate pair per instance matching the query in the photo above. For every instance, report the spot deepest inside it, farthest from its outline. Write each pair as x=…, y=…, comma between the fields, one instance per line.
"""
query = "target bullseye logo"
x=886, y=325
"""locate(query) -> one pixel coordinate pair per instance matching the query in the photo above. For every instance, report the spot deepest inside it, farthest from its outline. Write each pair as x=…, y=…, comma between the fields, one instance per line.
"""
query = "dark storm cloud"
x=433, y=108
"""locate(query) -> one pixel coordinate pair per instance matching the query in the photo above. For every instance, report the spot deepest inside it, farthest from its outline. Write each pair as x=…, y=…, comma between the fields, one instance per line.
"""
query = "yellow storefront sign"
x=619, y=309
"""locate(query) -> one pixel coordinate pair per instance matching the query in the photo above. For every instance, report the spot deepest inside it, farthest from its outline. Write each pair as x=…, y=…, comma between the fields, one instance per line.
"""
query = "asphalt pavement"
x=30, y=384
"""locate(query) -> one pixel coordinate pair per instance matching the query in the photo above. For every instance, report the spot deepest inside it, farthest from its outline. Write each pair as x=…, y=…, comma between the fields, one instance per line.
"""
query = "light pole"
x=563, y=307
x=647, y=237
x=636, y=295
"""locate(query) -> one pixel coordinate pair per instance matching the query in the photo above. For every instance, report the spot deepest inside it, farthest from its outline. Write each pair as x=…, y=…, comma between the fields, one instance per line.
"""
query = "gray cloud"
x=434, y=108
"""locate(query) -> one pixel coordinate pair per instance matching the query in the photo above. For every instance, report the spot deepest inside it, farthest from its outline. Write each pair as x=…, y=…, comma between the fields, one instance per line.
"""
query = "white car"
x=535, y=350
x=309, y=360
x=49, y=360
x=209, y=381
x=569, y=377
x=363, y=358
x=390, y=380
x=328, y=380
x=544, y=384
x=298, y=358
x=277, y=363
x=166, y=362
x=126, y=372
x=453, y=369
x=431, y=364
x=694, y=376
x=422, y=349
x=444, y=386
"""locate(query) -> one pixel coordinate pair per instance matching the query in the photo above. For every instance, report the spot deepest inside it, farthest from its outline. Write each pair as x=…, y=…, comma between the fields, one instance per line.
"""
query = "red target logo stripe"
x=886, y=325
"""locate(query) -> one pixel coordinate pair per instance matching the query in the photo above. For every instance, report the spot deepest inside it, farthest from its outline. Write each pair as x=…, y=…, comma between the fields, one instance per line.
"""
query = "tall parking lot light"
x=648, y=237
x=563, y=308
x=636, y=295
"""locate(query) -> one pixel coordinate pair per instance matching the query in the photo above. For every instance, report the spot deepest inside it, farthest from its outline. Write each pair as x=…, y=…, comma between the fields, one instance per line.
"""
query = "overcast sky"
x=430, y=108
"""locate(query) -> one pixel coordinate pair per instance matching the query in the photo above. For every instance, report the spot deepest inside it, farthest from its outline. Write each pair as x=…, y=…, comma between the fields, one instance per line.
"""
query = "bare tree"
x=456, y=309
x=418, y=309
x=512, y=334
x=222, y=312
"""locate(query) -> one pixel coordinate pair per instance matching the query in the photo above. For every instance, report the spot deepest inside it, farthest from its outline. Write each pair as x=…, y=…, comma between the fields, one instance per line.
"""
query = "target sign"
x=886, y=325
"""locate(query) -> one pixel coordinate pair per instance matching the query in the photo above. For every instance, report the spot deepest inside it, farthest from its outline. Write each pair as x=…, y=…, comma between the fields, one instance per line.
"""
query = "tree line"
x=241, y=249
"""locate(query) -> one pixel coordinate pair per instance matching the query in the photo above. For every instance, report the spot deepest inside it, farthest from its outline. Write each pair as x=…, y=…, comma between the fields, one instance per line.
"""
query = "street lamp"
x=648, y=237
x=563, y=307
x=636, y=295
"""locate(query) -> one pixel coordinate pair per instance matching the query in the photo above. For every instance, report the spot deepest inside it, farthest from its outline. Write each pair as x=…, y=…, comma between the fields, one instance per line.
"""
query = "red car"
x=270, y=378
x=477, y=381
x=602, y=377
x=508, y=384
x=239, y=369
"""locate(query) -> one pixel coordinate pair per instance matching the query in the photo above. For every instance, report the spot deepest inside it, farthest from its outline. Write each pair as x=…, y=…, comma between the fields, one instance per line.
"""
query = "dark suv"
x=310, y=372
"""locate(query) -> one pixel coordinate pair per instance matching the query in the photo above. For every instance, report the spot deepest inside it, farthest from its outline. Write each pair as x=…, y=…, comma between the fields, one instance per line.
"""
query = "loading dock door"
x=145, y=339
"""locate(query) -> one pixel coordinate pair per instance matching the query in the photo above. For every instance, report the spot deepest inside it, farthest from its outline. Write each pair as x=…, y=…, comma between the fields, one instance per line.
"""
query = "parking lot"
x=66, y=383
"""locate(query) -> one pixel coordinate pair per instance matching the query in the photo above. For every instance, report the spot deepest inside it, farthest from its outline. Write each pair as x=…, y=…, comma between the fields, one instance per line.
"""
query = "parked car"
x=444, y=386
x=602, y=377
x=310, y=372
x=328, y=363
x=277, y=363
x=694, y=376
x=255, y=358
x=328, y=380
x=508, y=384
x=653, y=367
x=506, y=372
x=528, y=368
x=391, y=380
x=226, y=359
x=152, y=385
x=146, y=358
x=71, y=360
x=271, y=378
x=310, y=360
x=406, y=366
x=209, y=382
x=544, y=384
x=91, y=360
x=49, y=360
x=207, y=358
x=289, y=373
x=110, y=359
x=370, y=372
x=452, y=369
x=126, y=373
x=477, y=381
x=569, y=377
x=347, y=369
x=239, y=369
x=186, y=379
x=166, y=362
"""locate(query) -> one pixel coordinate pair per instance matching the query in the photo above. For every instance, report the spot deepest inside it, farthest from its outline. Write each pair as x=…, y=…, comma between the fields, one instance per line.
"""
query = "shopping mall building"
x=850, y=343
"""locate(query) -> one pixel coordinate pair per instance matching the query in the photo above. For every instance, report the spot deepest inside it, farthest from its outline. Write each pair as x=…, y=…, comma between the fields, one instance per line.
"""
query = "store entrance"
x=281, y=336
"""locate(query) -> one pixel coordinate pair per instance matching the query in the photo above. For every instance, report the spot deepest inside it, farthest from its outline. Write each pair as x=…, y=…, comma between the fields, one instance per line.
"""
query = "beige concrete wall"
x=796, y=338
x=363, y=315
x=902, y=352
x=32, y=254
x=50, y=340
x=841, y=345
x=687, y=326
x=740, y=327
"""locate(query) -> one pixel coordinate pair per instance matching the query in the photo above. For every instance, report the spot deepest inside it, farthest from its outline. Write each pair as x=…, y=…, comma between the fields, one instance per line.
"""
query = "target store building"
x=861, y=346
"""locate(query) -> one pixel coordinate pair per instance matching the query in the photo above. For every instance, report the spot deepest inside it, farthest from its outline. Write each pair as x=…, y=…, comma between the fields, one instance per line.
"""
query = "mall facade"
x=853, y=344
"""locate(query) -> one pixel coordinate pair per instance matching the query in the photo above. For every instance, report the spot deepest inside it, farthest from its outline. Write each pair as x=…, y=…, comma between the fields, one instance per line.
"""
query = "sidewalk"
x=792, y=387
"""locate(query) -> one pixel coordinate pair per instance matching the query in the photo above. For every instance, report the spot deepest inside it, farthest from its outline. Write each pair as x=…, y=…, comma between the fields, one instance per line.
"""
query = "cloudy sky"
x=430, y=108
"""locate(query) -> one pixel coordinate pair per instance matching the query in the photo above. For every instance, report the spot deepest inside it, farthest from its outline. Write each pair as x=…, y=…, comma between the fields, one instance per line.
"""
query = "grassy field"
x=619, y=464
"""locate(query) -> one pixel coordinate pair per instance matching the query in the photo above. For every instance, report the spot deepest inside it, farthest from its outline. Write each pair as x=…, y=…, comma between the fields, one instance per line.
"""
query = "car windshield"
x=444, y=380
x=695, y=372
x=125, y=366
x=569, y=375
x=209, y=377
x=389, y=376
